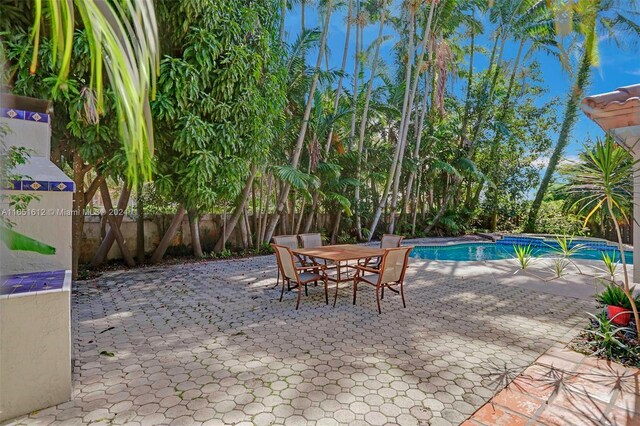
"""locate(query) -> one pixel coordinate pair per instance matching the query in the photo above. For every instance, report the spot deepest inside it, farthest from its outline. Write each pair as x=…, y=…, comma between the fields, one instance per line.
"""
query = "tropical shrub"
x=552, y=219
x=614, y=295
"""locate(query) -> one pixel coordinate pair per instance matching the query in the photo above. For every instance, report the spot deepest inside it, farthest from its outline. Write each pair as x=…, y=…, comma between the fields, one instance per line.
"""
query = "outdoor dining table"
x=340, y=255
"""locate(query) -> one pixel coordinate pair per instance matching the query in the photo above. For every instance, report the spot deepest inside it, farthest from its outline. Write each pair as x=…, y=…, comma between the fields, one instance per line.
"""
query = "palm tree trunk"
x=627, y=288
x=363, y=122
x=416, y=151
x=356, y=63
x=101, y=254
x=396, y=155
x=496, y=140
x=113, y=224
x=405, y=124
x=194, y=229
x=159, y=252
x=295, y=159
x=570, y=115
x=241, y=201
x=283, y=13
x=140, y=253
x=343, y=66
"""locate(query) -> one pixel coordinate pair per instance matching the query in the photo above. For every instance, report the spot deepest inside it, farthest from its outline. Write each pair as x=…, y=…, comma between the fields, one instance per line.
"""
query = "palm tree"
x=343, y=66
x=601, y=181
x=123, y=41
x=408, y=67
x=365, y=112
x=591, y=15
x=295, y=157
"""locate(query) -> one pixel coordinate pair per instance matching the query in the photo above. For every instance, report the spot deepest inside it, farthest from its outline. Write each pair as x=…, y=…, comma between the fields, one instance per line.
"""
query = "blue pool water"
x=503, y=249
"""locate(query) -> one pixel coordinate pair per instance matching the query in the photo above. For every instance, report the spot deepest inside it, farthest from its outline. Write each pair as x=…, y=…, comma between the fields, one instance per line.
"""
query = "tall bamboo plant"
x=600, y=182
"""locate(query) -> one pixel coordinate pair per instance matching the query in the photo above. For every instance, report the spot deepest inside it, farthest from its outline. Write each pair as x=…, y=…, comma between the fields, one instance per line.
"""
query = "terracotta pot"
x=620, y=318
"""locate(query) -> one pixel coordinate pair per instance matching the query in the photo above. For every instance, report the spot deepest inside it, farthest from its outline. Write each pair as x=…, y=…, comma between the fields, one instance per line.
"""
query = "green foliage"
x=611, y=263
x=606, y=339
x=566, y=248
x=553, y=219
x=524, y=255
x=602, y=176
x=614, y=295
x=220, y=97
x=559, y=267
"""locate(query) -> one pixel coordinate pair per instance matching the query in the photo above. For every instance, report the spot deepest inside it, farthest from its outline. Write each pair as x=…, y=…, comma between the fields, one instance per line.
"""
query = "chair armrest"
x=367, y=269
x=306, y=268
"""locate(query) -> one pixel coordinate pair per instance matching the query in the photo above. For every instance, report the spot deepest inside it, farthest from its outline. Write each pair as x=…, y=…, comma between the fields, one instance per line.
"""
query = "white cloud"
x=541, y=162
x=633, y=72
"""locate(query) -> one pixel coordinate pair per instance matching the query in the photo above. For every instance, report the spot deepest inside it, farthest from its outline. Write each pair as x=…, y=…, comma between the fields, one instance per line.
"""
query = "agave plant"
x=565, y=249
x=560, y=266
x=605, y=336
x=524, y=255
x=610, y=263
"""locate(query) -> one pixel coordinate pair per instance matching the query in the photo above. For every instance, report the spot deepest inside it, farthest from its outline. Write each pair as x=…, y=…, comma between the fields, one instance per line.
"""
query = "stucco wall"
x=48, y=219
x=35, y=352
x=210, y=227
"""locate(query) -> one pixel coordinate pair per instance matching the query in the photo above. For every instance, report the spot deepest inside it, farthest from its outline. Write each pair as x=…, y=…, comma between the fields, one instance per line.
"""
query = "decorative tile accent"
x=40, y=185
x=35, y=185
x=60, y=186
x=19, y=114
x=31, y=282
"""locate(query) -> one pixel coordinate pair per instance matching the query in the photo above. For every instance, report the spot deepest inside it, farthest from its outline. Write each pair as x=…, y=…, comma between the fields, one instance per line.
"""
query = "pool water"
x=493, y=251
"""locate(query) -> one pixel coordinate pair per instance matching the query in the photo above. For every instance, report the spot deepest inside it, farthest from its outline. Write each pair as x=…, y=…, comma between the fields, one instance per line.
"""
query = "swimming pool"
x=504, y=250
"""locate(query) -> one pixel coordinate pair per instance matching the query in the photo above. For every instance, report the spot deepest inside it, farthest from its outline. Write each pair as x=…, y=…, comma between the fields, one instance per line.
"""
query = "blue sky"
x=618, y=66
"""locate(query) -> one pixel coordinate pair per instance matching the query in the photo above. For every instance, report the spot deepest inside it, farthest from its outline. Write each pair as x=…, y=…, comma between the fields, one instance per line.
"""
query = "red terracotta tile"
x=566, y=354
x=539, y=381
x=517, y=402
x=629, y=397
x=595, y=384
x=495, y=416
x=606, y=366
x=580, y=403
x=559, y=363
x=620, y=417
x=554, y=415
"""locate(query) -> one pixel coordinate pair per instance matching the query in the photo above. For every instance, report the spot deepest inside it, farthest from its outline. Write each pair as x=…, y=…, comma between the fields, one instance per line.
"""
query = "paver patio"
x=210, y=343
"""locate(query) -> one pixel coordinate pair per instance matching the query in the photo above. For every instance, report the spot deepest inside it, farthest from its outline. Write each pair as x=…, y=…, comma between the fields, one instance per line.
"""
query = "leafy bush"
x=607, y=339
x=614, y=295
x=552, y=219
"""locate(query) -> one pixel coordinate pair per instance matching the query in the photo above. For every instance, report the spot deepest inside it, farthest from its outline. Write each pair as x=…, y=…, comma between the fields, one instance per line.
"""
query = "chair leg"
x=355, y=290
x=382, y=297
x=402, y=293
x=306, y=291
x=277, y=279
x=326, y=291
x=378, y=299
x=282, y=292
x=299, y=296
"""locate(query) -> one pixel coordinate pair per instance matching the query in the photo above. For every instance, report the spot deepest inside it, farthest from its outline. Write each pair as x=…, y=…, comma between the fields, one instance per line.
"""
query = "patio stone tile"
x=209, y=342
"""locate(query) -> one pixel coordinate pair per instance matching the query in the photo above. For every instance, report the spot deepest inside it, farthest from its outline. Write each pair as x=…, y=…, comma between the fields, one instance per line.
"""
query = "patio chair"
x=391, y=241
x=290, y=241
x=387, y=241
x=310, y=241
x=300, y=275
x=393, y=266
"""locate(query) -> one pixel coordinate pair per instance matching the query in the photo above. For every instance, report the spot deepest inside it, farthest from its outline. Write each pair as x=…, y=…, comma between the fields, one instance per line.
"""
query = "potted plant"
x=617, y=303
